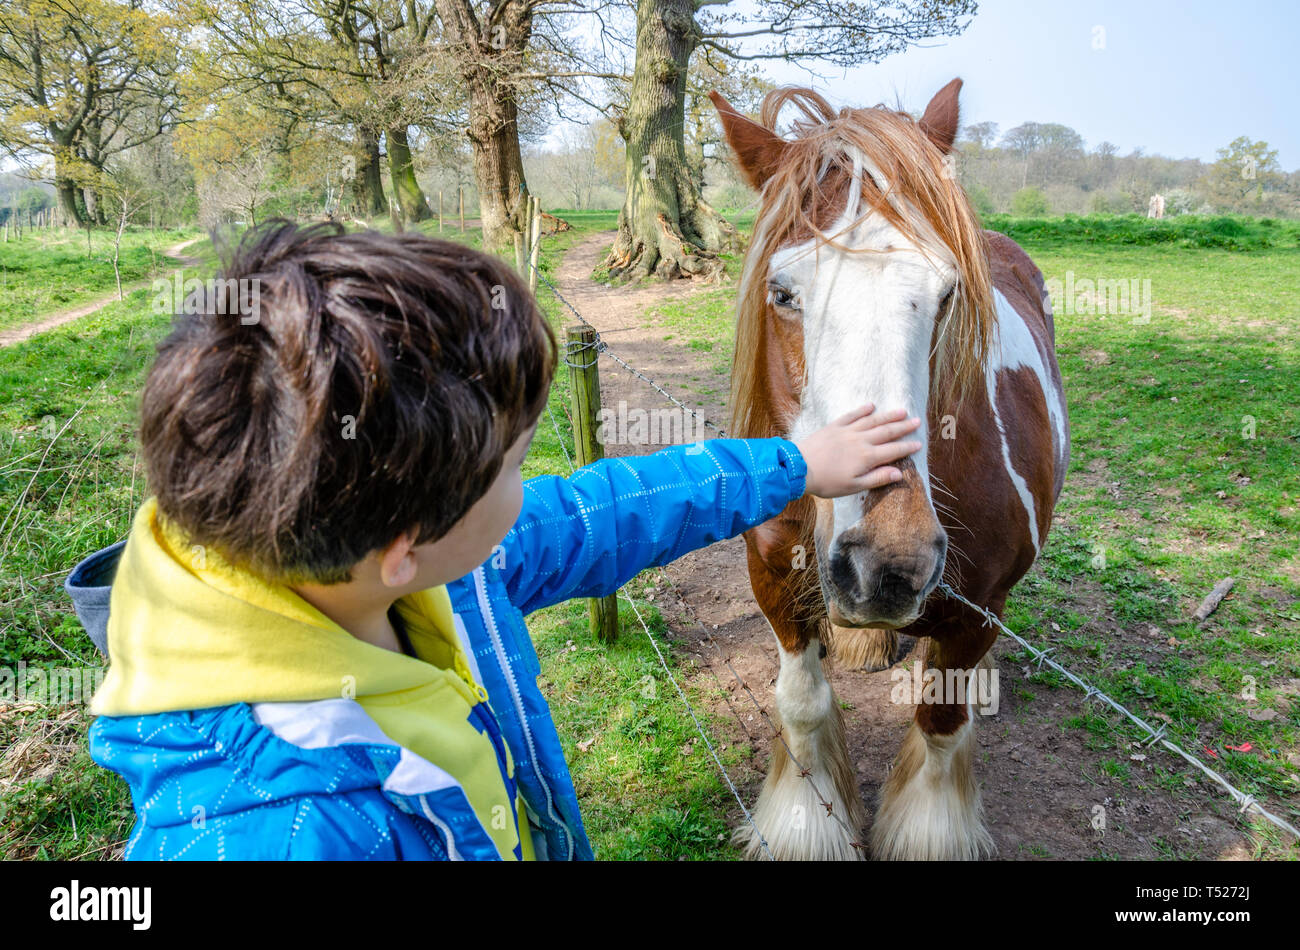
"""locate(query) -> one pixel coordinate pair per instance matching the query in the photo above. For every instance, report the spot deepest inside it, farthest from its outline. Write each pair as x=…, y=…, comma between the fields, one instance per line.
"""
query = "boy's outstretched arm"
x=587, y=535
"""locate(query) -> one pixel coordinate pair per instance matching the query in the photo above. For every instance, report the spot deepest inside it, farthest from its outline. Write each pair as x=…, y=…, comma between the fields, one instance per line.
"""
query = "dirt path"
x=18, y=334
x=1040, y=781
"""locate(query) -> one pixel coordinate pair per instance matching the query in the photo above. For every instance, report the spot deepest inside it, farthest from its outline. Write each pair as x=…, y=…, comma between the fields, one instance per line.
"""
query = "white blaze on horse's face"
x=868, y=318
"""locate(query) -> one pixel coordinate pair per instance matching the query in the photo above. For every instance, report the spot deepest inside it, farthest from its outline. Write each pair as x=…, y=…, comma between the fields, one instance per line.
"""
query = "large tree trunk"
x=406, y=190
x=490, y=54
x=498, y=163
x=66, y=187
x=67, y=190
x=94, y=207
x=665, y=227
x=369, y=183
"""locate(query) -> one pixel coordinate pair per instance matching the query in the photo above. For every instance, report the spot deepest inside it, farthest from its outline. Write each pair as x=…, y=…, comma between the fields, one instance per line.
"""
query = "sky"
x=1180, y=79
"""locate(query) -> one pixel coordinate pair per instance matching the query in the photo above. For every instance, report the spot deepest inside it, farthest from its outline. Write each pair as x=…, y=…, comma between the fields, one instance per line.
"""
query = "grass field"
x=1186, y=438
x=52, y=270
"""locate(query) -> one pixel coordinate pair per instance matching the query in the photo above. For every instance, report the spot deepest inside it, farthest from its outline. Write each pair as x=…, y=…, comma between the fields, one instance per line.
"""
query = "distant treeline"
x=1044, y=168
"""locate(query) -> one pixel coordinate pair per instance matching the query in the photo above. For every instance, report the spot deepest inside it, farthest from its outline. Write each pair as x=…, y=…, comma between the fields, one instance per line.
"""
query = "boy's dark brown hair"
x=370, y=385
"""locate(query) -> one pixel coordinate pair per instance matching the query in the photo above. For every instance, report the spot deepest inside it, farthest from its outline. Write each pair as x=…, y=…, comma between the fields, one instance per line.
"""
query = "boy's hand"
x=850, y=454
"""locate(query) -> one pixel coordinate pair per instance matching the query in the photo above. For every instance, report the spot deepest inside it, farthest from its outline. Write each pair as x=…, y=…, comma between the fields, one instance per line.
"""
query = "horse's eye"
x=783, y=298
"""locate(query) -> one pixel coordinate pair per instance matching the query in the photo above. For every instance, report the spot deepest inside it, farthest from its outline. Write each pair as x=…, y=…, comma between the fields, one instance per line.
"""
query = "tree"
x=126, y=194
x=665, y=227
x=235, y=150
x=502, y=51
x=608, y=149
x=364, y=70
x=1244, y=172
x=1060, y=139
x=1023, y=141
x=982, y=134
x=574, y=169
x=980, y=200
x=32, y=201
x=80, y=82
x=1029, y=203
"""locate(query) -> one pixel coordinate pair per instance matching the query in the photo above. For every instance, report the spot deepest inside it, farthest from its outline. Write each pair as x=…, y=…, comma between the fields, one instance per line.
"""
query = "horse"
x=869, y=279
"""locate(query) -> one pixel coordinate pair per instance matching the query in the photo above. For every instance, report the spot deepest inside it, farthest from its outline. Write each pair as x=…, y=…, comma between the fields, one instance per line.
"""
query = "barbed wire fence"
x=1245, y=801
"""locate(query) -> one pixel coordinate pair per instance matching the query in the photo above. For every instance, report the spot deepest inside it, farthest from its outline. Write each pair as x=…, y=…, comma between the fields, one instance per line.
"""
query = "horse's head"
x=865, y=281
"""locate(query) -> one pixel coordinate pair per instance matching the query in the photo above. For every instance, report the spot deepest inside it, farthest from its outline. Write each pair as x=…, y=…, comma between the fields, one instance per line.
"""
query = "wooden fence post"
x=439, y=210
x=535, y=237
x=584, y=382
x=462, y=210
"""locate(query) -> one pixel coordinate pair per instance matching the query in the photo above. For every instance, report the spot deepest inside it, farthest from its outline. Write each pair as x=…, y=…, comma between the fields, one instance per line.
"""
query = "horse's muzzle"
x=865, y=587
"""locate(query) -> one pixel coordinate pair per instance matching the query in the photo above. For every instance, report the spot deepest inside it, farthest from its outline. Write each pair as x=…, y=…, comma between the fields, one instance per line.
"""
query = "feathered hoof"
x=930, y=803
x=792, y=820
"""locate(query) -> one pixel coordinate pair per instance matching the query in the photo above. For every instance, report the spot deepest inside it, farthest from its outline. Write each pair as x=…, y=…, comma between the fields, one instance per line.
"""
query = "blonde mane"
x=920, y=179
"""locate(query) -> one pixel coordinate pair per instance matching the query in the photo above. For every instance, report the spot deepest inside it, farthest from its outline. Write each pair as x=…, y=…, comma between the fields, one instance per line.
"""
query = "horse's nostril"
x=896, y=587
x=843, y=573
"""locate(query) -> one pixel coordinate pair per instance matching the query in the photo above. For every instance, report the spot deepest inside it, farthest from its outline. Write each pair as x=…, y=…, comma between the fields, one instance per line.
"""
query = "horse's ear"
x=758, y=149
x=940, y=120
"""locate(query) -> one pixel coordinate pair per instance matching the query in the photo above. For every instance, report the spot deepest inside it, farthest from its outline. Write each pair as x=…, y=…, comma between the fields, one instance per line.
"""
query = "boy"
x=315, y=627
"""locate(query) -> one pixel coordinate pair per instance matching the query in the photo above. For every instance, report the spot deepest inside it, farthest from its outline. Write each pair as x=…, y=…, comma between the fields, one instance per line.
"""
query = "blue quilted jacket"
x=320, y=780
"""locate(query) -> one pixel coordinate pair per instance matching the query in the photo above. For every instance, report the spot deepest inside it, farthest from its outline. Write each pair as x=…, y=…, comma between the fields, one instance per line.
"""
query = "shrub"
x=1029, y=203
x=1179, y=201
x=1109, y=203
x=1235, y=232
x=980, y=200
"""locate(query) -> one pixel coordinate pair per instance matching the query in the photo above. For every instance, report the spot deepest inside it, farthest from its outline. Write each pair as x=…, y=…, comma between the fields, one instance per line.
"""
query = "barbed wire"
x=602, y=347
x=1246, y=801
x=777, y=732
x=663, y=662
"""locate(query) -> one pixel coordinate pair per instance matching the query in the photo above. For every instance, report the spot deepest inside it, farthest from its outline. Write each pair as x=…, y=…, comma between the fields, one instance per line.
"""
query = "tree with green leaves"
x=1244, y=175
x=82, y=81
x=364, y=70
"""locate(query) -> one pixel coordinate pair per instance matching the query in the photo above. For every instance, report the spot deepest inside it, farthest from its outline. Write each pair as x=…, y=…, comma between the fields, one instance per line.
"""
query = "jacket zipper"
x=485, y=607
x=492, y=730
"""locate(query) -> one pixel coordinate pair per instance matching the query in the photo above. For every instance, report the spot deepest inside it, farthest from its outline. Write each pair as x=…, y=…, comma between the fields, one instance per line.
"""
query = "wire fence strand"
x=663, y=662
x=1246, y=801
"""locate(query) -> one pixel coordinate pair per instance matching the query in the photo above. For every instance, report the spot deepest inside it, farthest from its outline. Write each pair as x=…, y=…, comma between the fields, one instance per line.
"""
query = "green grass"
x=69, y=483
x=49, y=271
x=1184, y=470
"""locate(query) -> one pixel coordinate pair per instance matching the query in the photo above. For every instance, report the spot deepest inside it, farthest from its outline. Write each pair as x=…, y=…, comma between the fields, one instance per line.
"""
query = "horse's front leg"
x=814, y=771
x=930, y=802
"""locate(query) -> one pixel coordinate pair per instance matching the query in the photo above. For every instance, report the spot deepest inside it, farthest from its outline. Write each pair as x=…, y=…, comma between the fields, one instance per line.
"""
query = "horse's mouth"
x=874, y=623
x=868, y=613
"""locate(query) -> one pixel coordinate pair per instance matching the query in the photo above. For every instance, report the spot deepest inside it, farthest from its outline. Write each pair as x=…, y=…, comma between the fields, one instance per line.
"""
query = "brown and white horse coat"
x=869, y=280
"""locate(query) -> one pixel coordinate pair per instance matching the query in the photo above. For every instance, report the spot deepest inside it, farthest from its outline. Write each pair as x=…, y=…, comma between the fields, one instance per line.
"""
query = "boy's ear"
x=397, y=563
